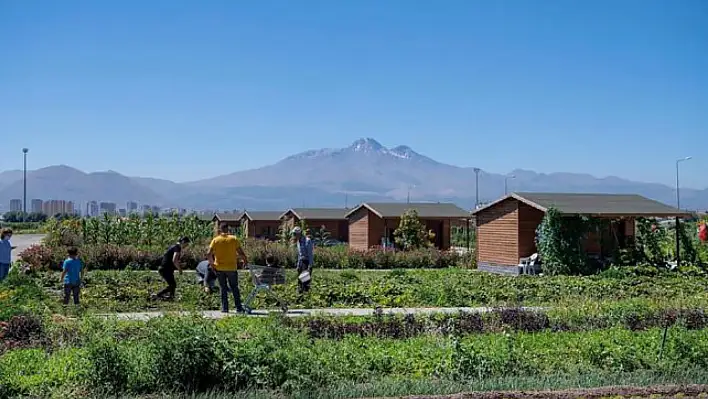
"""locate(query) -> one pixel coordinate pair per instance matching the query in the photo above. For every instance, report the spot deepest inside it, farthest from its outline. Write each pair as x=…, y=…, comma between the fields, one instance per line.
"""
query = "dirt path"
x=655, y=392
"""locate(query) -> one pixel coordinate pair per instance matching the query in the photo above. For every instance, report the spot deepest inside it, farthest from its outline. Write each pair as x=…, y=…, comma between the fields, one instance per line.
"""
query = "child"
x=5, y=253
x=71, y=276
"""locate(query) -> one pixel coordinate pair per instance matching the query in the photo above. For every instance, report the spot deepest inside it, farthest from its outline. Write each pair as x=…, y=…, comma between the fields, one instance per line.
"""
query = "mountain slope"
x=64, y=182
x=363, y=171
x=368, y=168
x=9, y=176
x=365, y=166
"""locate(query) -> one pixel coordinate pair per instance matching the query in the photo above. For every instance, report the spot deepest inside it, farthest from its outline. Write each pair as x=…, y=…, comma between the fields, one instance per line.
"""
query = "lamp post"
x=506, y=182
x=408, y=197
x=678, y=205
x=476, y=187
x=24, y=185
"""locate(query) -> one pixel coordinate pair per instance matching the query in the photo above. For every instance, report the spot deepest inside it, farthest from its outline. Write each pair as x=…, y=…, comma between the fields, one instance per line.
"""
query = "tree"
x=12, y=217
x=411, y=232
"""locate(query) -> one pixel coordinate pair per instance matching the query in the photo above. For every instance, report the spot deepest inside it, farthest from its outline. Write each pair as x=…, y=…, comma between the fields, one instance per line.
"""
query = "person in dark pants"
x=72, y=270
x=305, y=258
x=224, y=253
x=170, y=263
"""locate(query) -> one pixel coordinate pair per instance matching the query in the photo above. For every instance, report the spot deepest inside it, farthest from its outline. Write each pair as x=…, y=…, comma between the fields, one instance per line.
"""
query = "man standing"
x=224, y=253
x=170, y=263
x=305, y=258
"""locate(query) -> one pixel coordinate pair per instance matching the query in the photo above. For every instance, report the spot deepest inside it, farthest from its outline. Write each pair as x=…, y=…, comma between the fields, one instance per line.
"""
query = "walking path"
x=24, y=241
x=211, y=314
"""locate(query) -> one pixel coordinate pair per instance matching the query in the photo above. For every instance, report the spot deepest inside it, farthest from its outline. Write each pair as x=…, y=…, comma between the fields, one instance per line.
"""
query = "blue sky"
x=187, y=89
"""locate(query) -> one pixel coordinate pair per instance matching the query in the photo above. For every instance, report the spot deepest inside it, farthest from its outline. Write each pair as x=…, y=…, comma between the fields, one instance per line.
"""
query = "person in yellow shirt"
x=225, y=251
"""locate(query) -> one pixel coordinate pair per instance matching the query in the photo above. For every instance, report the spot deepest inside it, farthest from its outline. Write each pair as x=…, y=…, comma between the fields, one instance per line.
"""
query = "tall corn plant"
x=133, y=227
x=106, y=229
x=148, y=229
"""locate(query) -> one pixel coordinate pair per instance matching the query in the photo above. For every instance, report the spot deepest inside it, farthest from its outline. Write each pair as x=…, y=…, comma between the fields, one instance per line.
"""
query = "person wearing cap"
x=305, y=258
x=171, y=262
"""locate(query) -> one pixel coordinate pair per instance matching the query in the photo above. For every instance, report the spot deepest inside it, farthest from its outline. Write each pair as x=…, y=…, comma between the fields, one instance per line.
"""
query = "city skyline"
x=90, y=208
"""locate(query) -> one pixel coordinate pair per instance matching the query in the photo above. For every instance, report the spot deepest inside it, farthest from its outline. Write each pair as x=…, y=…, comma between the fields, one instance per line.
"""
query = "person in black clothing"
x=170, y=263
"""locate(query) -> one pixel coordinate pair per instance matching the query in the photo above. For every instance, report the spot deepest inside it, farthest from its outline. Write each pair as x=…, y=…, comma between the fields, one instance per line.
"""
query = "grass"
x=406, y=387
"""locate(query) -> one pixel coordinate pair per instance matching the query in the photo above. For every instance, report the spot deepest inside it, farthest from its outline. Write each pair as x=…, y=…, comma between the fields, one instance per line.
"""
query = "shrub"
x=188, y=354
x=109, y=368
x=20, y=295
x=118, y=257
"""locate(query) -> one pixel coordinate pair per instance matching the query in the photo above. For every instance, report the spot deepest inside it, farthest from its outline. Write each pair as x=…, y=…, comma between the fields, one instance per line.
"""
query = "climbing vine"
x=560, y=243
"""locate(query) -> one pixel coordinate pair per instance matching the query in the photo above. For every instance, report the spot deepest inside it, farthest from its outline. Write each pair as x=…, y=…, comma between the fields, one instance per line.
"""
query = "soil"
x=653, y=392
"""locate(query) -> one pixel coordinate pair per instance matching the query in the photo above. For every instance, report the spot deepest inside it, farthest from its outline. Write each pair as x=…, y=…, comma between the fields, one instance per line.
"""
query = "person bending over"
x=171, y=262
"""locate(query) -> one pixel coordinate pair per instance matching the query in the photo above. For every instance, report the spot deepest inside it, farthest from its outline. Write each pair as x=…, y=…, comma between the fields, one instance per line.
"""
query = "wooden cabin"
x=506, y=228
x=373, y=224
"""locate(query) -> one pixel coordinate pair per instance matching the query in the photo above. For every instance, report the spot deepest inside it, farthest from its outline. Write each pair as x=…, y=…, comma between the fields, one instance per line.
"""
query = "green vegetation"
x=137, y=243
x=411, y=233
x=595, y=331
x=561, y=244
x=130, y=290
x=20, y=217
x=237, y=354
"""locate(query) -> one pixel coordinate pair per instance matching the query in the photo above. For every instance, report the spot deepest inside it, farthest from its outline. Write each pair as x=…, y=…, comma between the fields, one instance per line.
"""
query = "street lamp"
x=506, y=182
x=24, y=185
x=678, y=205
x=678, y=196
x=408, y=197
x=476, y=187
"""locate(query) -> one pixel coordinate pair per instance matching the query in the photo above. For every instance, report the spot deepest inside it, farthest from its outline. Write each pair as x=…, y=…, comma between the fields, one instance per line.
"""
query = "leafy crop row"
x=191, y=354
x=129, y=290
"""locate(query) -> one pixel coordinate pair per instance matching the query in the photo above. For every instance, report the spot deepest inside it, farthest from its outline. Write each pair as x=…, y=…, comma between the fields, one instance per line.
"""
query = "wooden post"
x=468, y=234
x=678, y=244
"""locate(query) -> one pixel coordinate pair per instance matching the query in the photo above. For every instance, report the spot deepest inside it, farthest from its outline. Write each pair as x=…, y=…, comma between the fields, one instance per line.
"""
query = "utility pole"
x=24, y=185
x=476, y=187
x=678, y=219
x=506, y=183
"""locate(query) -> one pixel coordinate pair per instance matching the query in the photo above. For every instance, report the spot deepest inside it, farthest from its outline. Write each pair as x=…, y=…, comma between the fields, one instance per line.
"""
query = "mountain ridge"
x=364, y=170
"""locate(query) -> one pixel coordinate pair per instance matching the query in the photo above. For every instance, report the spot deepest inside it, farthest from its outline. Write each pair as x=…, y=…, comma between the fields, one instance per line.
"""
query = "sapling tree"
x=411, y=232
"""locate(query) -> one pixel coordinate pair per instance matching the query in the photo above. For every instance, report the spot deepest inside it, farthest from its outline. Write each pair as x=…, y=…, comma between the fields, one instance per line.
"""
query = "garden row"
x=236, y=354
x=118, y=257
x=126, y=291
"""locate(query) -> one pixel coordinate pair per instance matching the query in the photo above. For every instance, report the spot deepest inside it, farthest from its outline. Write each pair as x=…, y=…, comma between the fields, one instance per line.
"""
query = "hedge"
x=115, y=257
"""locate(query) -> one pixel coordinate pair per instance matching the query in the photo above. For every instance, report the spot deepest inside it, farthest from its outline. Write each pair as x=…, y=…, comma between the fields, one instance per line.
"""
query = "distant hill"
x=67, y=183
x=362, y=171
x=9, y=176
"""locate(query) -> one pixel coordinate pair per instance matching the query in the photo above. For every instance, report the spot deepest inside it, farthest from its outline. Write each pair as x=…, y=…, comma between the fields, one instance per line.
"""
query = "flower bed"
x=118, y=257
